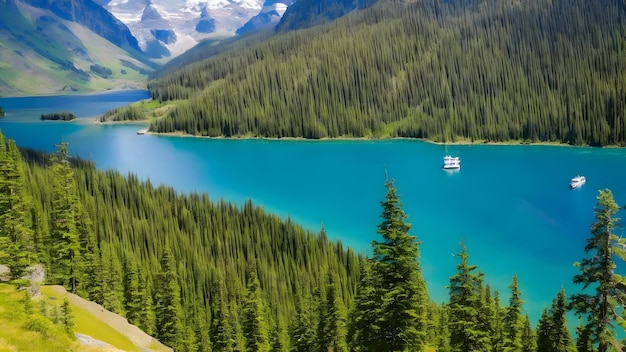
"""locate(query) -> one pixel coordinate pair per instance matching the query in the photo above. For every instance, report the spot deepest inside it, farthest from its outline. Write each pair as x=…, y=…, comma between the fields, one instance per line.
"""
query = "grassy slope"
x=15, y=337
x=33, y=53
x=91, y=319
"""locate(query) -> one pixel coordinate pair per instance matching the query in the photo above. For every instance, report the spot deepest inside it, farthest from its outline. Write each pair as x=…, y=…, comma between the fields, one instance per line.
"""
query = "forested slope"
x=203, y=276
x=443, y=70
x=178, y=266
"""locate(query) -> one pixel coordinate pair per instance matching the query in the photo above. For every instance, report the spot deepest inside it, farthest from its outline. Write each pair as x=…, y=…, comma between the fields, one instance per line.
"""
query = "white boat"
x=577, y=181
x=142, y=132
x=451, y=163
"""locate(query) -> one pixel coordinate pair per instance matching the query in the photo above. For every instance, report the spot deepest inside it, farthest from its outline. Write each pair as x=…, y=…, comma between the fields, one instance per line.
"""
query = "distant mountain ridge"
x=92, y=16
x=51, y=46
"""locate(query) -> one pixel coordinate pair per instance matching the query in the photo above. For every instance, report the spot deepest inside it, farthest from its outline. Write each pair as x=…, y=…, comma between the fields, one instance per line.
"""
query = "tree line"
x=531, y=71
x=63, y=116
x=212, y=276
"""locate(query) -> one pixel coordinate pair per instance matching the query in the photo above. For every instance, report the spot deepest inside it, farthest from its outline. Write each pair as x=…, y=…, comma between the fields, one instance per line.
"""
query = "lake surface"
x=510, y=204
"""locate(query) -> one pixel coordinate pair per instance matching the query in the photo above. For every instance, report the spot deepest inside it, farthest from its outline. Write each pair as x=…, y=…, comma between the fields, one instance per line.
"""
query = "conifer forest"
x=203, y=275
x=471, y=70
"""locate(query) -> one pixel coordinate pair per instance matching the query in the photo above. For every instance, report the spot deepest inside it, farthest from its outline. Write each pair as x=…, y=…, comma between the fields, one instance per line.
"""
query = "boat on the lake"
x=451, y=163
x=142, y=132
x=577, y=182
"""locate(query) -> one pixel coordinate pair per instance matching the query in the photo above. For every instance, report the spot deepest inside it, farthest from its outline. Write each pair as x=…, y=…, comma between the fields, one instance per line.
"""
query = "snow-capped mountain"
x=269, y=16
x=169, y=27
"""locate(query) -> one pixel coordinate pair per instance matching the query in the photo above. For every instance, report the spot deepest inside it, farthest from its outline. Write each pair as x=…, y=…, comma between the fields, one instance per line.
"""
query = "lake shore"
x=369, y=139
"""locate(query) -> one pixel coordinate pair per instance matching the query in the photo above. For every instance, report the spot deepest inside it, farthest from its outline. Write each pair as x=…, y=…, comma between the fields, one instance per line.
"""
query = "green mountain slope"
x=42, y=53
x=29, y=326
x=443, y=70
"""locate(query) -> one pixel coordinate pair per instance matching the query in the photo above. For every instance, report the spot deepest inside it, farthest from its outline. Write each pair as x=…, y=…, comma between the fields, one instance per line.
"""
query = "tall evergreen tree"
x=302, y=331
x=332, y=320
x=529, y=338
x=466, y=330
x=168, y=308
x=16, y=234
x=513, y=320
x=600, y=309
x=552, y=332
x=363, y=331
x=64, y=239
x=584, y=341
x=254, y=322
x=146, y=318
x=497, y=334
x=401, y=286
x=133, y=298
x=222, y=332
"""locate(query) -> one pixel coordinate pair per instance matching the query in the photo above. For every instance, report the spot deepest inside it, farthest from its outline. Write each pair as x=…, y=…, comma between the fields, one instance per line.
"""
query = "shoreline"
x=74, y=93
x=371, y=139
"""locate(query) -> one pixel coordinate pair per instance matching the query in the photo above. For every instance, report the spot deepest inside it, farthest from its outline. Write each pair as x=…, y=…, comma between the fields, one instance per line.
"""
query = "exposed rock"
x=36, y=275
x=5, y=273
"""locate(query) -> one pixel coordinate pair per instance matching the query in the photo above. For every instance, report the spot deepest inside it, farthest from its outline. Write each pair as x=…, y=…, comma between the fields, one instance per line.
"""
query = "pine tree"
x=400, y=284
x=302, y=334
x=363, y=330
x=598, y=271
x=584, y=342
x=168, y=308
x=529, y=338
x=254, y=324
x=513, y=320
x=222, y=332
x=497, y=336
x=64, y=241
x=465, y=305
x=16, y=234
x=112, y=285
x=27, y=302
x=133, y=302
x=552, y=332
x=333, y=319
x=67, y=318
x=443, y=337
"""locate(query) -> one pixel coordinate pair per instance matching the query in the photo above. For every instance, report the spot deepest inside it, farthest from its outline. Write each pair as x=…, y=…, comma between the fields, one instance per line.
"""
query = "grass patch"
x=28, y=332
x=88, y=324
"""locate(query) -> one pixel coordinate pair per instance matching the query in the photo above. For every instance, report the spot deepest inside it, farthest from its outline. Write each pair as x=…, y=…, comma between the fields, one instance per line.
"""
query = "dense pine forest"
x=478, y=70
x=204, y=275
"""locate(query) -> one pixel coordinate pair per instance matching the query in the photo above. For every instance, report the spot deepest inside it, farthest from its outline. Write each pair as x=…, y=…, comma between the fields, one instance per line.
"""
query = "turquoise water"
x=510, y=204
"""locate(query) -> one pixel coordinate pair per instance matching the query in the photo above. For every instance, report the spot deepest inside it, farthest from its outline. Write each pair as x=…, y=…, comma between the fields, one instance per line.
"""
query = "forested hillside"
x=444, y=70
x=211, y=276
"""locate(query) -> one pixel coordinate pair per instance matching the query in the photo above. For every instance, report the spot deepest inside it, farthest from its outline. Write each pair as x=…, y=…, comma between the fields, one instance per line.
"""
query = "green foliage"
x=255, y=329
x=126, y=113
x=598, y=272
x=63, y=116
x=395, y=297
x=67, y=318
x=552, y=332
x=16, y=235
x=63, y=242
x=531, y=71
x=513, y=320
x=100, y=70
x=25, y=328
x=466, y=331
x=529, y=337
x=168, y=307
x=332, y=324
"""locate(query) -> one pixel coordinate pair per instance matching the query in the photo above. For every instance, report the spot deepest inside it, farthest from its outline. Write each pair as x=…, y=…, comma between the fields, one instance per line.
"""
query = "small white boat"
x=451, y=163
x=142, y=132
x=577, y=181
